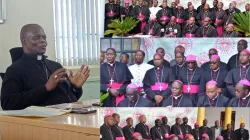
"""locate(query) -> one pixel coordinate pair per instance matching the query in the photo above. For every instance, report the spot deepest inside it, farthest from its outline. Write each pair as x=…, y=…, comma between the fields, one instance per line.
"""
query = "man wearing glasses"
x=206, y=66
x=191, y=78
x=215, y=73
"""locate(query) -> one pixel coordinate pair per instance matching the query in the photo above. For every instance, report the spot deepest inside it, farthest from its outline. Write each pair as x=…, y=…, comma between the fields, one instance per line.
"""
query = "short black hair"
x=125, y=54
x=159, y=49
x=157, y=121
x=143, y=53
x=115, y=114
x=111, y=49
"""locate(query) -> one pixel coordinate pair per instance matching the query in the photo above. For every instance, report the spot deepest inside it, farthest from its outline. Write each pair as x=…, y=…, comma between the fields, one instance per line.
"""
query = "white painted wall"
x=213, y=114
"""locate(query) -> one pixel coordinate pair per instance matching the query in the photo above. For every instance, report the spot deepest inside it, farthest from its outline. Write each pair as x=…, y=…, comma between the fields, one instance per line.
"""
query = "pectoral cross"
x=111, y=81
x=188, y=88
x=140, y=14
x=160, y=87
x=111, y=12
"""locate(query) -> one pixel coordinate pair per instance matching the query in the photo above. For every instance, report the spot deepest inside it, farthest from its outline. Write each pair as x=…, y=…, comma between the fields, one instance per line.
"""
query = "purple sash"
x=194, y=89
x=219, y=28
x=119, y=138
x=189, y=35
x=116, y=86
x=157, y=86
x=179, y=20
x=164, y=18
x=143, y=23
x=111, y=13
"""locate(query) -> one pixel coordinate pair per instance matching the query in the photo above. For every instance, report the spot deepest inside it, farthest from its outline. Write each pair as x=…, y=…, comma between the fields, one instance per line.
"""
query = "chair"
x=16, y=53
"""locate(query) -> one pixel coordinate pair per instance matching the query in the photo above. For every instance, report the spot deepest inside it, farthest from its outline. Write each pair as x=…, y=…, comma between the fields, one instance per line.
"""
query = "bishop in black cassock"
x=211, y=52
x=142, y=13
x=206, y=30
x=214, y=73
x=134, y=99
x=116, y=129
x=129, y=129
x=152, y=28
x=180, y=64
x=228, y=134
x=233, y=62
x=239, y=73
x=142, y=128
x=115, y=77
x=190, y=12
x=157, y=80
x=165, y=127
x=190, y=28
x=111, y=12
x=176, y=128
x=230, y=32
x=177, y=99
x=156, y=131
x=205, y=130
x=212, y=98
x=186, y=129
x=206, y=13
x=195, y=131
x=191, y=78
x=220, y=19
x=165, y=63
x=242, y=99
x=163, y=15
x=242, y=133
x=173, y=29
x=105, y=130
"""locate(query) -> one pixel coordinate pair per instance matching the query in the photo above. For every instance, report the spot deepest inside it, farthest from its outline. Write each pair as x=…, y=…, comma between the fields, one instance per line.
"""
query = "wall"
x=213, y=114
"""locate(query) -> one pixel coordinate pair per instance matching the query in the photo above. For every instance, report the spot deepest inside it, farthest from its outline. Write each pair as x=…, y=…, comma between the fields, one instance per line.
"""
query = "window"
x=78, y=30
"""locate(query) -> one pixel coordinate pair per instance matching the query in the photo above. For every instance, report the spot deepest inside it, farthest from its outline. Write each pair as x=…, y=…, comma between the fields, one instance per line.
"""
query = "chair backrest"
x=16, y=53
x=2, y=75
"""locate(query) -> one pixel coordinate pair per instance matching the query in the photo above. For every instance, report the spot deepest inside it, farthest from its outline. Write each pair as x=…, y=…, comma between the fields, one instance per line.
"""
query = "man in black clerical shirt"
x=242, y=92
x=242, y=133
x=233, y=62
x=142, y=128
x=165, y=127
x=165, y=63
x=105, y=129
x=229, y=134
x=157, y=131
x=186, y=129
x=128, y=130
x=134, y=99
x=176, y=128
x=35, y=80
x=116, y=129
x=205, y=130
x=213, y=98
x=195, y=131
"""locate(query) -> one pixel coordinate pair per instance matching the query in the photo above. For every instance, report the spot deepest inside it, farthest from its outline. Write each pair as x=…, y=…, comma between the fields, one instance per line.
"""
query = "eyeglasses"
x=190, y=62
x=213, y=63
x=129, y=95
x=212, y=54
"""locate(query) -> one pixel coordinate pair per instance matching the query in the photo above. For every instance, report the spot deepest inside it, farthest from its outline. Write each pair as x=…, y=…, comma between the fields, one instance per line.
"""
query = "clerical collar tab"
x=246, y=96
x=176, y=97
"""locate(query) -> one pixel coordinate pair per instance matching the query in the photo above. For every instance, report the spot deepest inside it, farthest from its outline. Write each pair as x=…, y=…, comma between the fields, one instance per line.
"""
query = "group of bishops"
x=175, y=21
x=111, y=130
x=180, y=83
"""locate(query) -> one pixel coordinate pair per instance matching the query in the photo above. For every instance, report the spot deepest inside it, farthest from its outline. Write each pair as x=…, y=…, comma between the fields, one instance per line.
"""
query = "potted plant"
x=242, y=23
x=121, y=27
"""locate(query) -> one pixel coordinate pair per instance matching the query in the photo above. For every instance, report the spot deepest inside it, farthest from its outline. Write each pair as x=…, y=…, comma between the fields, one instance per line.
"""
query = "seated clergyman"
x=35, y=80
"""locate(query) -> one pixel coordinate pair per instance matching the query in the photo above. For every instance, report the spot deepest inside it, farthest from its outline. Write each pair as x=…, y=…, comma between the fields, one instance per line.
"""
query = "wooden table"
x=64, y=127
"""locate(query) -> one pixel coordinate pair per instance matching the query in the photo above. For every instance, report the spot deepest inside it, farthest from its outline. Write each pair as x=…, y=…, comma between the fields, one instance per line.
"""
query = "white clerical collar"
x=206, y=26
x=190, y=69
x=215, y=97
x=216, y=70
x=244, y=66
x=246, y=96
x=111, y=64
x=176, y=97
x=39, y=57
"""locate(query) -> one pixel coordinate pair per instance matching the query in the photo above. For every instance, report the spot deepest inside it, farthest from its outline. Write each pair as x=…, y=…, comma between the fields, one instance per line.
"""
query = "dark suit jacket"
x=242, y=136
x=225, y=136
x=142, y=102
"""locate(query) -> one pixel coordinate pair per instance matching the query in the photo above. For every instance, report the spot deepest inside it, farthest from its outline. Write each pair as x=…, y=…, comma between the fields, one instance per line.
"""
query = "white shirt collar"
x=246, y=96
x=176, y=97
x=215, y=97
x=111, y=64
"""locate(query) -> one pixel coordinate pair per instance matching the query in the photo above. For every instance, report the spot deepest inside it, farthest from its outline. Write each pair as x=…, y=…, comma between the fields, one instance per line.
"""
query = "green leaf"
x=121, y=27
x=242, y=22
x=103, y=97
